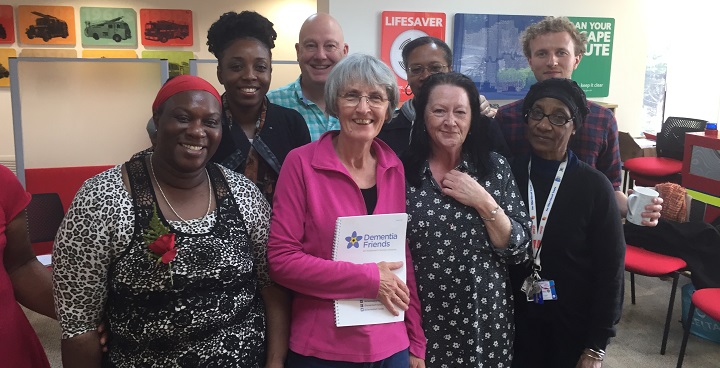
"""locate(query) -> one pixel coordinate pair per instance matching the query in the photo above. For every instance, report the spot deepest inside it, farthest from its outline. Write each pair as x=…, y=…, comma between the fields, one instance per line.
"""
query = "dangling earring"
x=406, y=90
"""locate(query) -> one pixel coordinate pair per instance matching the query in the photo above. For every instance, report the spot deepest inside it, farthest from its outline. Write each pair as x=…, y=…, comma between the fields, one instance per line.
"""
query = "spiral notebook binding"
x=336, y=241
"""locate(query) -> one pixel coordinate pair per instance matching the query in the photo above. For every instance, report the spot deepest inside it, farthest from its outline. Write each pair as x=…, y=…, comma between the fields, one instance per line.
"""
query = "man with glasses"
x=320, y=46
x=553, y=48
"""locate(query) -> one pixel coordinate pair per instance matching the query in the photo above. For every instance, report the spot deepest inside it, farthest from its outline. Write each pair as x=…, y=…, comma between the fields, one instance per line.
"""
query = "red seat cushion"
x=645, y=262
x=653, y=166
x=708, y=301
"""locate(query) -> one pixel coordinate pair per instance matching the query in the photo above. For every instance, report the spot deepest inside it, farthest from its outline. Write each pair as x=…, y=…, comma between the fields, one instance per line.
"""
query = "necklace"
x=152, y=170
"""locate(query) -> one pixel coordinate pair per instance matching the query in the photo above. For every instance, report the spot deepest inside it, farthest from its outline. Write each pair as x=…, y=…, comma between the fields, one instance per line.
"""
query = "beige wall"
x=287, y=15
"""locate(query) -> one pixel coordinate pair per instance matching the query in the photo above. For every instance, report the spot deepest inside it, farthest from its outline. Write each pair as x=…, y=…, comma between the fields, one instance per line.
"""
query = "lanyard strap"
x=539, y=229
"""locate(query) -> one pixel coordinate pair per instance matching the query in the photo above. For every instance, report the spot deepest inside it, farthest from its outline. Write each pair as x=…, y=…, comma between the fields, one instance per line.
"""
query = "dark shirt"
x=461, y=276
x=583, y=250
x=370, y=197
x=284, y=130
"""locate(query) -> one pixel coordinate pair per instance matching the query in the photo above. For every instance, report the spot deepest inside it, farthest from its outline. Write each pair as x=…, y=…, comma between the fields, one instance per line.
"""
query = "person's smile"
x=249, y=90
x=363, y=121
x=192, y=147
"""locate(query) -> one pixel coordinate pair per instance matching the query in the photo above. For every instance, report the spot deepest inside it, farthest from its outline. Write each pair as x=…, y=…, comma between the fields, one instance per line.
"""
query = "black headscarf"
x=565, y=90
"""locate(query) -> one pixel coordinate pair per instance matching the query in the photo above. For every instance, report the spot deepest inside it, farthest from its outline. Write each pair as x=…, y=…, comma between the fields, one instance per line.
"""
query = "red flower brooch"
x=160, y=242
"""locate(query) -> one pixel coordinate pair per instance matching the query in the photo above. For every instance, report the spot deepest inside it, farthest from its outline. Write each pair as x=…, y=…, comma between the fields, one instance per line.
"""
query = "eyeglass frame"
x=548, y=116
x=346, y=100
x=423, y=68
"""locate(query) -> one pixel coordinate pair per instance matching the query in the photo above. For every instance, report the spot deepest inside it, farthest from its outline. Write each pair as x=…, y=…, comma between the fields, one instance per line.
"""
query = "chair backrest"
x=44, y=215
x=671, y=140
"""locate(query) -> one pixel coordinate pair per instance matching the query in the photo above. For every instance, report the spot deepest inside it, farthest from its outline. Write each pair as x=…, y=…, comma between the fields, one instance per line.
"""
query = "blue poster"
x=487, y=49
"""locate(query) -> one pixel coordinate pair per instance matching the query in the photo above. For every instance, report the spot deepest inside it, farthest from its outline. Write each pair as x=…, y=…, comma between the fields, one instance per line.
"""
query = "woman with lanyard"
x=569, y=296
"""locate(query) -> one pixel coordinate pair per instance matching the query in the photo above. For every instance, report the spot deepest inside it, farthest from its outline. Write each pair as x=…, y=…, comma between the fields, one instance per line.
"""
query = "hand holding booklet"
x=369, y=239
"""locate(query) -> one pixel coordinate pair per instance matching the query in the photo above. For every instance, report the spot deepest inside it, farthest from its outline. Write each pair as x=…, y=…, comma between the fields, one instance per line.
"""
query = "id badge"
x=547, y=290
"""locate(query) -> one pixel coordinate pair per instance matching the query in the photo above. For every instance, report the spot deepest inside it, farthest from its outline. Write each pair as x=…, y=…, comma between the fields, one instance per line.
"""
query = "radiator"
x=8, y=161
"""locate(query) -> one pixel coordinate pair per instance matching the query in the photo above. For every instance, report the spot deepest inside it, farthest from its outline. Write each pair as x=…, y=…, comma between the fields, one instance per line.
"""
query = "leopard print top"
x=98, y=228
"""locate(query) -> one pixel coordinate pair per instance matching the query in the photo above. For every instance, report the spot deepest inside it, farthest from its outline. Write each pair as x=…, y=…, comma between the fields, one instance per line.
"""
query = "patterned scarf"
x=254, y=166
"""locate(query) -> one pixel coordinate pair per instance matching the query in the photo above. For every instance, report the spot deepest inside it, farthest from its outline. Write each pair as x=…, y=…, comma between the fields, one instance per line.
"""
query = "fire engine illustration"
x=116, y=29
x=163, y=30
x=4, y=73
x=47, y=27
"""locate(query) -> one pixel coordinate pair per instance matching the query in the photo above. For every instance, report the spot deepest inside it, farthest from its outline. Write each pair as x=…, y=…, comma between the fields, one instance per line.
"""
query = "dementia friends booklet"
x=369, y=239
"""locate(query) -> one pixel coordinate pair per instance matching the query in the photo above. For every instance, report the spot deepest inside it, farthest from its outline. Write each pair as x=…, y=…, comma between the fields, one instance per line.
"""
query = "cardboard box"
x=635, y=147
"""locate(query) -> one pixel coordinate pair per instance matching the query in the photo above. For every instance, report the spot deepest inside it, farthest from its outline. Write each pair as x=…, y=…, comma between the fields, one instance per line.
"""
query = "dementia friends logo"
x=353, y=240
x=370, y=240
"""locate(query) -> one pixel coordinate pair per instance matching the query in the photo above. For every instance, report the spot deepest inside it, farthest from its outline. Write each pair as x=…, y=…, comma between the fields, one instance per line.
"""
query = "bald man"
x=320, y=46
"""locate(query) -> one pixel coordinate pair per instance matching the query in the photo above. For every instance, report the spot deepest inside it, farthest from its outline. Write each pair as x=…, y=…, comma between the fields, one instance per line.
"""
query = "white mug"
x=636, y=203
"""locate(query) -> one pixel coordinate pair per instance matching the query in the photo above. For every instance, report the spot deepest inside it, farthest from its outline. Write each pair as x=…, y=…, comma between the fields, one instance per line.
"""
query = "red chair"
x=708, y=301
x=644, y=262
x=667, y=166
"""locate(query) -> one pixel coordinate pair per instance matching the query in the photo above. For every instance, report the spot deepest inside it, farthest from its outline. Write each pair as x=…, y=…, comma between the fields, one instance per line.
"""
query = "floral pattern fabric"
x=462, y=279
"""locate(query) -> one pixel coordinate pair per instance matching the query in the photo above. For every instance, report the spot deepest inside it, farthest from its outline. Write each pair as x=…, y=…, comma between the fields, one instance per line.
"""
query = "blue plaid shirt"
x=596, y=143
x=291, y=96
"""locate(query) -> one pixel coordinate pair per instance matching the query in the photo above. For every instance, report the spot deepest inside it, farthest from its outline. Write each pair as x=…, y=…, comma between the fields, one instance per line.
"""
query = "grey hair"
x=360, y=68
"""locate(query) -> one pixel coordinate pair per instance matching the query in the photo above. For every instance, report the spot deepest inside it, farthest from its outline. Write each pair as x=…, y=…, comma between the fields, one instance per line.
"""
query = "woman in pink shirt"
x=22, y=280
x=344, y=173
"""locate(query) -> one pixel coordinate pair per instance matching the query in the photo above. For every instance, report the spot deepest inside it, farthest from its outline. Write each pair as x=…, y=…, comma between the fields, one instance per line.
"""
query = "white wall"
x=287, y=15
x=693, y=75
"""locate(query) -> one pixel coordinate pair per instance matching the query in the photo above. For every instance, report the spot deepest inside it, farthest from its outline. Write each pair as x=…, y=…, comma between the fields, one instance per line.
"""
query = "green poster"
x=108, y=27
x=178, y=61
x=593, y=73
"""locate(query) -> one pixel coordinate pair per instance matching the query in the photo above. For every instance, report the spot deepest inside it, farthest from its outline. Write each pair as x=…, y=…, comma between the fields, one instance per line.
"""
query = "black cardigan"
x=583, y=250
x=284, y=130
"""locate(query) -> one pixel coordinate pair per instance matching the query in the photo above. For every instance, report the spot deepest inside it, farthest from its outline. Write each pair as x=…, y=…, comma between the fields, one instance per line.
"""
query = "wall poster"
x=399, y=28
x=166, y=27
x=7, y=25
x=178, y=61
x=487, y=48
x=5, y=54
x=108, y=26
x=46, y=25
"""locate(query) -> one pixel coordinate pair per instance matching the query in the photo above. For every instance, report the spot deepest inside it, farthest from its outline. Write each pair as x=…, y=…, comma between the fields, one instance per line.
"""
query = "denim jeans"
x=398, y=360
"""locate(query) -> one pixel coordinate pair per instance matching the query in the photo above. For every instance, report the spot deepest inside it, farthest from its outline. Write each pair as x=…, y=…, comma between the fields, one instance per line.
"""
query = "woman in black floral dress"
x=169, y=251
x=467, y=224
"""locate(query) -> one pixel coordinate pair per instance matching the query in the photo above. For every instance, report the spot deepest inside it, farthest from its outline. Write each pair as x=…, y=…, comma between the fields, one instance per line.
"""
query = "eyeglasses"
x=353, y=99
x=554, y=119
x=416, y=70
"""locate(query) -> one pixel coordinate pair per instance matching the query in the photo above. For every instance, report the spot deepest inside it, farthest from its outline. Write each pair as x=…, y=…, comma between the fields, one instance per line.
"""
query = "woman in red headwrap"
x=168, y=250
